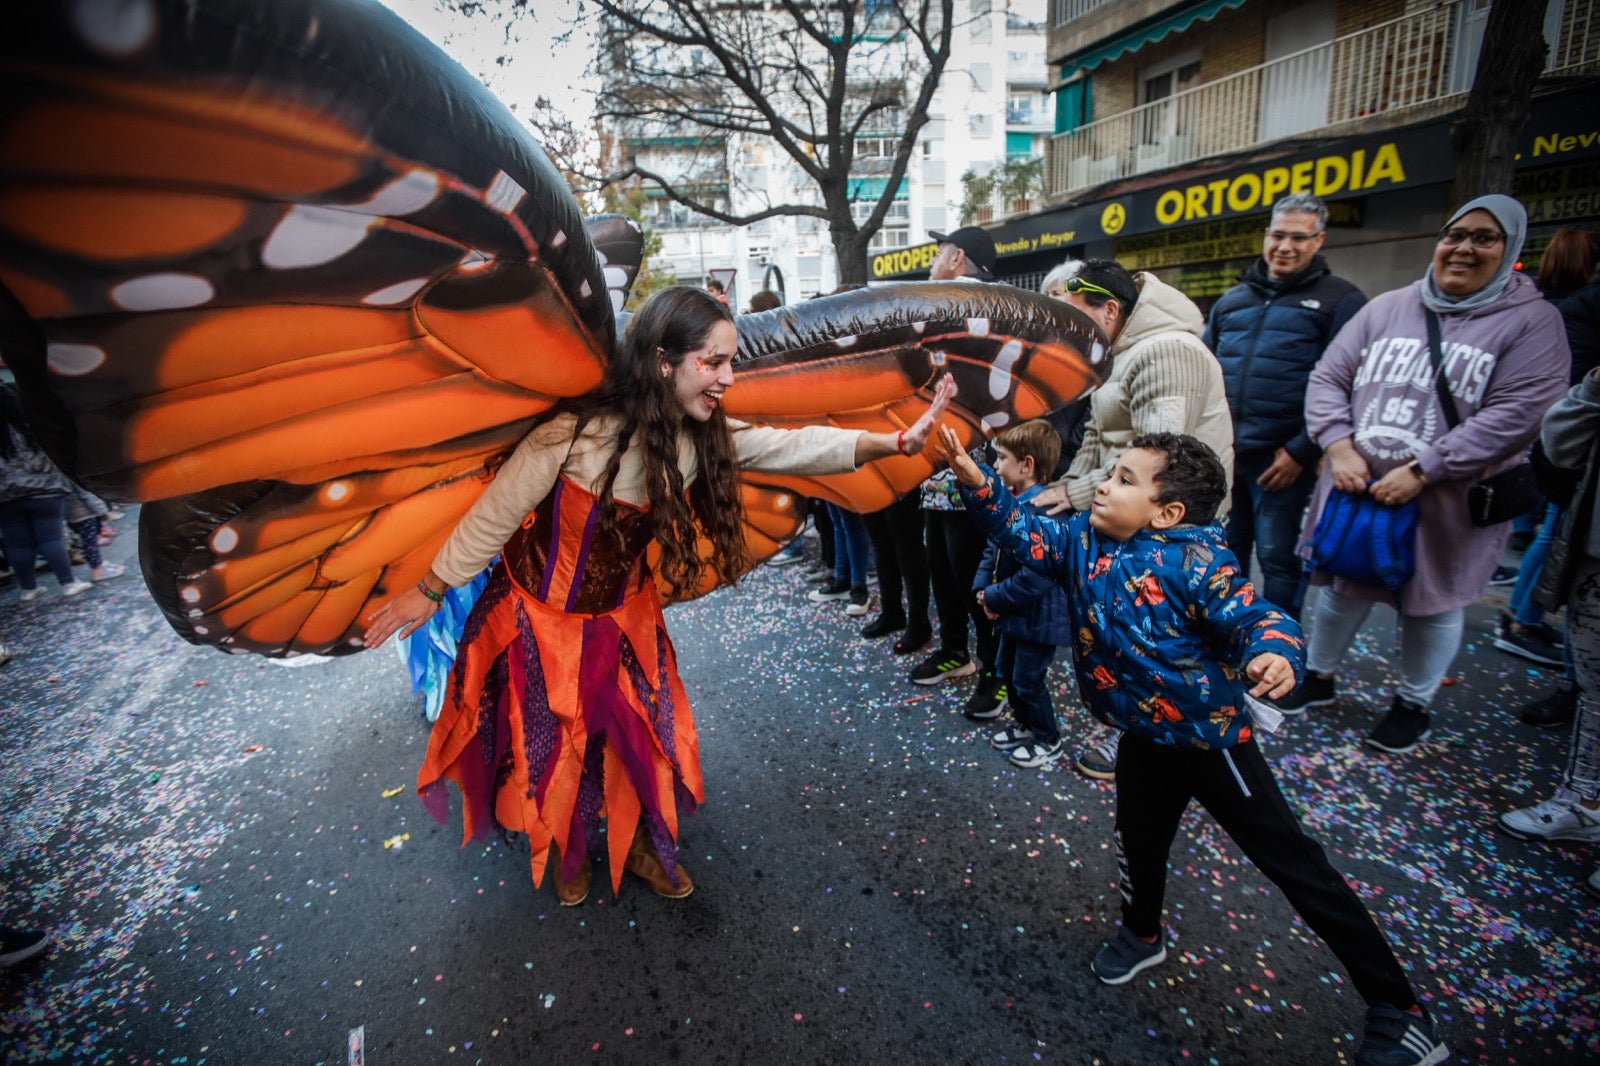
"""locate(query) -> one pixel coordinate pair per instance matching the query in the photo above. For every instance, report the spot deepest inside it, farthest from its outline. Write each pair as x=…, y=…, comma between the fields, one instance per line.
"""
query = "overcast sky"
x=539, y=65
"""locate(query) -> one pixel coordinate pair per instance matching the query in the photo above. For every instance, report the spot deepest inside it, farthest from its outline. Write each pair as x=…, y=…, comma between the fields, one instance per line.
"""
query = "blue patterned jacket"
x=1163, y=623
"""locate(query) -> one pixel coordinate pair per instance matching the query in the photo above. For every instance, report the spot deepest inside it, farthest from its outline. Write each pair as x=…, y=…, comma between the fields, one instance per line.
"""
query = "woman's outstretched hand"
x=918, y=432
x=406, y=612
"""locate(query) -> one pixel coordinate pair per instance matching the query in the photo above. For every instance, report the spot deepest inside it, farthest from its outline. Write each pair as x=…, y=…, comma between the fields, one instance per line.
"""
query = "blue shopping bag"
x=1362, y=540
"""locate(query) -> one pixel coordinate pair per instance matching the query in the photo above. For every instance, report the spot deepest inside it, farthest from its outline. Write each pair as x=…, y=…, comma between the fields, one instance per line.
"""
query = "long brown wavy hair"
x=672, y=323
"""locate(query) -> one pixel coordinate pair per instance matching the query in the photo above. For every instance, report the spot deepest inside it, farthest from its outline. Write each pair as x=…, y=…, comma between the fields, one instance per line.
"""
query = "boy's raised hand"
x=951, y=451
x=1272, y=673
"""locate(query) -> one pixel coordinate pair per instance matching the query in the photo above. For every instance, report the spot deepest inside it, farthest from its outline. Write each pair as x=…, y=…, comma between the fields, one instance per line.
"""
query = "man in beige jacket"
x=1163, y=377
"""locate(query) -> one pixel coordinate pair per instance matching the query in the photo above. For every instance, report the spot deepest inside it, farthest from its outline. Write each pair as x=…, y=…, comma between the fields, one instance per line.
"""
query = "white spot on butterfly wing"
x=1000, y=369
x=616, y=277
x=163, y=292
x=585, y=289
x=845, y=342
x=335, y=491
x=311, y=235
x=1097, y=353
x=504, y=194
x=398, y=293
x=224, y=540
x=189, y=594
x=919, y=327
x=74, y=360
x=978, y=327
x=114, y=27
x=996, y=419
x=411, y=191
x=474, y=260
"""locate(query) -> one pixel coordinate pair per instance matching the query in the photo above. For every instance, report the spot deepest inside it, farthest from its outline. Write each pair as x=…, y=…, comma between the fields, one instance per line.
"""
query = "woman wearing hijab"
x=1373, y=407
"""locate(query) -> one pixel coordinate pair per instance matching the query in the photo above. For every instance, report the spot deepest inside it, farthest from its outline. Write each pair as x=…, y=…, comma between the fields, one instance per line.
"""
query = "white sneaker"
x=1562, y=817
x=108, y=571
x=76, y=587
x=33, y=593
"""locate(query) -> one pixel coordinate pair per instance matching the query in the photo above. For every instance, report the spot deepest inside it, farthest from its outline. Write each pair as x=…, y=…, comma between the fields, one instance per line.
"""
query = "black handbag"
x=1499, y=497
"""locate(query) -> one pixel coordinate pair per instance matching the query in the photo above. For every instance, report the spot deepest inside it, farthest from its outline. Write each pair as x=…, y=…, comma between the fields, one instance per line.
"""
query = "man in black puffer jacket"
x=1268, y=332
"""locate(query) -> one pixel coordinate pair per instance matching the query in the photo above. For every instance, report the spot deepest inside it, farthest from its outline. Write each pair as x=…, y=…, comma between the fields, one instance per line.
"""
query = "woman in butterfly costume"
x=290, y=277
x=565, y=704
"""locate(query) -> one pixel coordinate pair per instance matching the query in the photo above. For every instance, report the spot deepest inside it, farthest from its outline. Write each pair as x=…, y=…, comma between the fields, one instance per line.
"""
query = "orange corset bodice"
x=560, y=556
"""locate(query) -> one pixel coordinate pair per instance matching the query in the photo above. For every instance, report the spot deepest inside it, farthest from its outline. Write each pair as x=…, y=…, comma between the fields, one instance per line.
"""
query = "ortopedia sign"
x=1562, y=130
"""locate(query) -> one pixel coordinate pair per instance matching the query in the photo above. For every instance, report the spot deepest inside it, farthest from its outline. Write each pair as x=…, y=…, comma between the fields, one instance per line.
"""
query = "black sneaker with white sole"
x=20, y=945
x=988, y=700
x=1396, y=1037
x=1010, y=738
x=941, y=665
x=833, y=590
x=1034, y=754
x=1124, y=955
x=1404, y=727
x=1537, y=644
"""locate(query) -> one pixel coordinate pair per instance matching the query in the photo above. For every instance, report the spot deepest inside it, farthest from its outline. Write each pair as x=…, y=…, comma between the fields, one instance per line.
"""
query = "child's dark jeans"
x=1023, y=665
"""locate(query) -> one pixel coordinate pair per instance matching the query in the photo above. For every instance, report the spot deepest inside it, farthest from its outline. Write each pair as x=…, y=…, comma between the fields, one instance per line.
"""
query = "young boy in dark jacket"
x=1029, y=611
x=1169, y=639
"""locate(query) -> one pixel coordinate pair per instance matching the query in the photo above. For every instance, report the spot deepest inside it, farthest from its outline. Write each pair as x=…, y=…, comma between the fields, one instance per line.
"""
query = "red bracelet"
x=900, y=442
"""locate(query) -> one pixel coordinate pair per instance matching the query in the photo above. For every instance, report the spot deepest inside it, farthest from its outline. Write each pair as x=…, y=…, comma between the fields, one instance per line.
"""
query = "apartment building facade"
x=993, y=104
x=1178, y=124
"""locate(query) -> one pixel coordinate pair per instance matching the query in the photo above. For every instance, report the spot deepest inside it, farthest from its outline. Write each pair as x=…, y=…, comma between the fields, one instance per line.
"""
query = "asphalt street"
x=235, y=868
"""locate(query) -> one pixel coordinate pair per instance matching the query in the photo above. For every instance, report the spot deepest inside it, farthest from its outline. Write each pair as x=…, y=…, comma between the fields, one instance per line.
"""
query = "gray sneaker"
x=1562, y=817
x=1125, y=955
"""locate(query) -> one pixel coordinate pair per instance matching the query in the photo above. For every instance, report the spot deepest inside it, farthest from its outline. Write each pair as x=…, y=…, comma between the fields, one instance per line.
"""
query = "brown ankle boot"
x=643, y=863
x=571, y=893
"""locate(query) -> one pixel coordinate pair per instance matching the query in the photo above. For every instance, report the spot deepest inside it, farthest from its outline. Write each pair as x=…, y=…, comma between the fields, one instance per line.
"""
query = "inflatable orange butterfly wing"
x=294, y=274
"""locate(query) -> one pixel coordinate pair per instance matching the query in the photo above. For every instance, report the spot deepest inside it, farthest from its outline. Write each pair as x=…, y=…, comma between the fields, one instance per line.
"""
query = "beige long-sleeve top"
x=550, y=451
x=1163, y=380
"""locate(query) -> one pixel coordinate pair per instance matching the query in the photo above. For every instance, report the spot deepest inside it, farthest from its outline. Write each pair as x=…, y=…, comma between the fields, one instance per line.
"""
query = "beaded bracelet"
x=436, y=597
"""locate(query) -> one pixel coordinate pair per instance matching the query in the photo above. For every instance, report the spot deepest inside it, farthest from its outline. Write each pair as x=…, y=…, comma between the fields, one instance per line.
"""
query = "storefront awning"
x=1135, y=39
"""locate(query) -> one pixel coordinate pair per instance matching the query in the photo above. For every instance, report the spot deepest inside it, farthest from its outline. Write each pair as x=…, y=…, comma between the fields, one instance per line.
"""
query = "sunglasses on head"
x=1076, y=285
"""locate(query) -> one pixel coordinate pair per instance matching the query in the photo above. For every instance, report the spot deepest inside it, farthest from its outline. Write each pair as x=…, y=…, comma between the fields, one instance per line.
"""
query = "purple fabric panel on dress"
x=436, y=798
x=655, y=700
x=589, y=525
x=606, y=709
x=553, y=553
x=583, y=836
x=666, y=847
x=498, y=588
x=665, y=724
x=541, y=729
x=481, y=760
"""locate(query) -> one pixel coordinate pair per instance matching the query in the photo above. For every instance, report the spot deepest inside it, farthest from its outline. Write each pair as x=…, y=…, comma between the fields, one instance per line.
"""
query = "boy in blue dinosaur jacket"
x=1029, y=611
x=1169, y=637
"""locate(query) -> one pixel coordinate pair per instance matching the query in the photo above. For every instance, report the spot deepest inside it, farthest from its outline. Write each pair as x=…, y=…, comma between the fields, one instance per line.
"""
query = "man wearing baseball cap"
x=965, y=255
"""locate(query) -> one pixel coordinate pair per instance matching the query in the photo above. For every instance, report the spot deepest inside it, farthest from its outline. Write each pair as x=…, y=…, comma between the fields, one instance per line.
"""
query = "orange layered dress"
x=564, y=708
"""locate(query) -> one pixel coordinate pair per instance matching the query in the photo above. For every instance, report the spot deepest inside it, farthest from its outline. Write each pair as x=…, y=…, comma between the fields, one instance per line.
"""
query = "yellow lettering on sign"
x=1332, y=171
x=1244, y=192
x=1274, y=180
x=1169, y=208
x=904, y=260
x=1385, y=167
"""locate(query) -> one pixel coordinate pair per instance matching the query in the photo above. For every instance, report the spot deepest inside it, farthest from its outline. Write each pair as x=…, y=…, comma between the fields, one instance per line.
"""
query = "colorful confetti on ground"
x=235, y=869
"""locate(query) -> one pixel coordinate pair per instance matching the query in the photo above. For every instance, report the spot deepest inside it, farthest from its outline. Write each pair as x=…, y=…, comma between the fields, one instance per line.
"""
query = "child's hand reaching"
x=951, y=451
x=1273, y=675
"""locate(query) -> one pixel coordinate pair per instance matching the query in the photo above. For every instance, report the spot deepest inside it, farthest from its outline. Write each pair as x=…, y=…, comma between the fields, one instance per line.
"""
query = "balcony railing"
x=1400, y=66
x=1068, y=10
